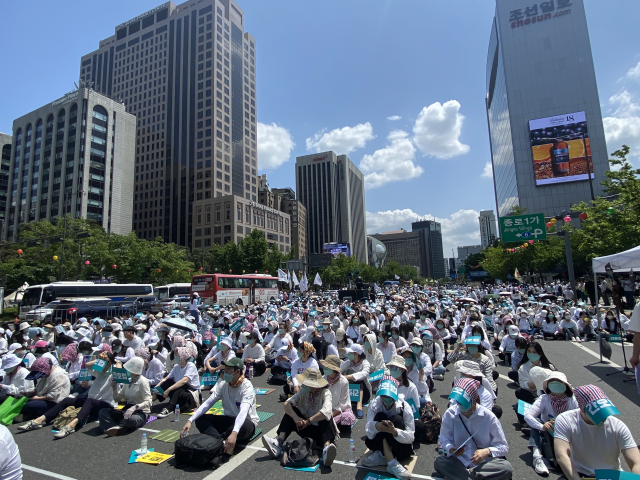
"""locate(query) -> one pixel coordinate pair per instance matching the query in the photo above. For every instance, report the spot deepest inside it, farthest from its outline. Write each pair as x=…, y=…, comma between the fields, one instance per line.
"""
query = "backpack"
x=279, y=378
x=432, y=420
x=299, y=454
x=198, y=449
x=65, y=417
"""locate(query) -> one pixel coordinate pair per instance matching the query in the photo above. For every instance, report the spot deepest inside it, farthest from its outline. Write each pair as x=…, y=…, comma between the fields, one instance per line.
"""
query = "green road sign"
x=522, y=228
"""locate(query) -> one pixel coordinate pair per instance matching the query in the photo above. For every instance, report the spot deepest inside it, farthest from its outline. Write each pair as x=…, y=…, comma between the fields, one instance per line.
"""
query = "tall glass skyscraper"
x=543, y=109
x=188, y=73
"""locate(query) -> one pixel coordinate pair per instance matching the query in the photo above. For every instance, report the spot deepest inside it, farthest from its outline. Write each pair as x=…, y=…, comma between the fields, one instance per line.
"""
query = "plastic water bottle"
x=143, y=445
x=352, y=451
x=439, y=449
x=250, y=372
x=176, y=416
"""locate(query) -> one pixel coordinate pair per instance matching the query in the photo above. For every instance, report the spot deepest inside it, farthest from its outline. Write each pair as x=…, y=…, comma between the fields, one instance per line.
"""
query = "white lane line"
x=46, y=472
x=504, y=377
x=149, y=430
x=236, y=460
x=597, y=355
x=347, y=464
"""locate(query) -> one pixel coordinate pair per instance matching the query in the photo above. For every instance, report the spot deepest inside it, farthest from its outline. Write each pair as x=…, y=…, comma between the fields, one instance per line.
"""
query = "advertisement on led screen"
x=336, y=249
x=560, y=147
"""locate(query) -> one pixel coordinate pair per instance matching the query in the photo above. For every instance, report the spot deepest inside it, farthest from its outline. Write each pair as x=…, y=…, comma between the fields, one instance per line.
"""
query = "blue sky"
x=336, y=74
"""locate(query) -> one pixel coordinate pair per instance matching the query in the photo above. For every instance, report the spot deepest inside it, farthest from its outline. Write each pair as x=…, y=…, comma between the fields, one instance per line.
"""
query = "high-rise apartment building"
x=5, y=167
x=73, y=156
x=488, y=228
x=188, y=74
x=331, y=187
x=543, y=108
x=431, y=246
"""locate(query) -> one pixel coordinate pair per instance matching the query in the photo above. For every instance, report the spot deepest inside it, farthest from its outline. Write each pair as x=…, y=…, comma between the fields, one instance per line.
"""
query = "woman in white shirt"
x=570, y=328
x=182, y=385
x=339, y=388
x=14, y=382
x=299, y=366
x=534, y=357
x=387, y=348
x=213, y=361
x=356, y=370
x=253, y=354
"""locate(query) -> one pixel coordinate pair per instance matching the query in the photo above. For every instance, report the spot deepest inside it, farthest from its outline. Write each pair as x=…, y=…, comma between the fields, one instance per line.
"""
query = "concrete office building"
x=188, y=73
x=331, y=187
x=5, y=167
x=74, y=156
x=540, y=70
x=488, y=228
x=431, y=245
x=402, y=247
x=468, y=250
x=231, y=218
x=284, y=199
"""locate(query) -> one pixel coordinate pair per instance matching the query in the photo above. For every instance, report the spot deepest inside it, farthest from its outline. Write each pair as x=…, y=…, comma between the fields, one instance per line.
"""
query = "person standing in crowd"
x=193, y=307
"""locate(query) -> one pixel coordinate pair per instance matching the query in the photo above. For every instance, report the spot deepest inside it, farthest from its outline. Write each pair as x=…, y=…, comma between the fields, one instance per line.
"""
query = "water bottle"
x=352, y=451
x=143, y=445
x=439, y=449
x=250, y=372
x=176, y=416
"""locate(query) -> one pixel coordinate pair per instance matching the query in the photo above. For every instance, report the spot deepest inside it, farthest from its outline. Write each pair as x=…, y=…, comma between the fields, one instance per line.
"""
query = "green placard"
x=615, y=338
x=120, y=375
x=354, y=392
x=522, y=228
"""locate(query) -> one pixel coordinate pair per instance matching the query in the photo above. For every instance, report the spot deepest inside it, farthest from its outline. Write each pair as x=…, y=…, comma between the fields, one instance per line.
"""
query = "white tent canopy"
x=620, y=262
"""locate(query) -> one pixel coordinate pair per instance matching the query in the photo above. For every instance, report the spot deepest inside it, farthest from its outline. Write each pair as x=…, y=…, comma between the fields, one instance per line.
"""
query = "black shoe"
x=284, y=397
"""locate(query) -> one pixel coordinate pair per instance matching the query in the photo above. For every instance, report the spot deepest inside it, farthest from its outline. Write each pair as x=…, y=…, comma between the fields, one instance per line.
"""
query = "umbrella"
x=491, y=296
x=180, y=323
x=505, y=293
x=466, y=299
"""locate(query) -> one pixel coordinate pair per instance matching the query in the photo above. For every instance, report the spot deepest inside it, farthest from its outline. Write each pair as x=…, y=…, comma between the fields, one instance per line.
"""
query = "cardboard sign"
x=120, y=375
x=235, y=326
x=209, y=378
x=84, y=376
x=615, y=338
x=600, y=409
x=414, y=409
x=375, y=376
x=158, y=390
x=153, y=458
x=523, y=407
x=354, y=392
x=99, y=365
x=472, y=340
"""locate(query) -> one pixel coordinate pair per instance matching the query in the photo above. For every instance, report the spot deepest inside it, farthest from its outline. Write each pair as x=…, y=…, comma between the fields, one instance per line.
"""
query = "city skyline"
x=356, y=117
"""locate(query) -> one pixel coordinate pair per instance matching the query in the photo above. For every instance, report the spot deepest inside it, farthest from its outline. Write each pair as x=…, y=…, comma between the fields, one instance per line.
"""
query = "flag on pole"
x=282, y=275
x=294, y=278
x=517, y=275
x=317, y=280
x=304, y=285
x=397, y=277
x=289, y=279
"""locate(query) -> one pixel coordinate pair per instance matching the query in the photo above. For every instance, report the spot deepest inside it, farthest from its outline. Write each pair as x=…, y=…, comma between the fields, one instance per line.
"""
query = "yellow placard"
x=153, y=458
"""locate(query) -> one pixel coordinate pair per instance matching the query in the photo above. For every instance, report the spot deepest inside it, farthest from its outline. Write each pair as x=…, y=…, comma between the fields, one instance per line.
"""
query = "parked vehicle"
x=173, y=303
x=70, y=309
x=146, y=303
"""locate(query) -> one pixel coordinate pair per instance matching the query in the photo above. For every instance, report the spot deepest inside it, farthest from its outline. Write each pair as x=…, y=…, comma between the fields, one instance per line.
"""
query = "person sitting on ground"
x=390, y=430
x=417, y=373
x=508, y=345
x=356, y=370
x=214, y=360
x=434, y=352
x=286, y=355
x=14, y=381
x=253, y=355
x=100, y=396
x=53, y=387
x=570, y=328
x=472, y=349
x=398, y=371
x=586, y=327
x=521, y=350
x=591, y=438
x=309, y=412
x=387, y=348
x=483, y=456
x=558, y=398
x=137, y=397
x=239, y=420
x=550, y=326
x=470, y=369
x=373, y=356
x=298, y=366
x=339, y=388
x=535, y=357
x=182, y=385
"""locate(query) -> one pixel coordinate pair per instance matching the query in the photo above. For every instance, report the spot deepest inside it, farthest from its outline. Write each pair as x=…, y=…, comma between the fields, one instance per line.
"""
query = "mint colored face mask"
x=227, y=377
x=351, y=356
x=557, y=387
x=534, y=357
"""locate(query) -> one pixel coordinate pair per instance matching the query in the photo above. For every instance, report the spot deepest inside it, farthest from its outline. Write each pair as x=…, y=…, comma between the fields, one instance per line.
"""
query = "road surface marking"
x=46, y=472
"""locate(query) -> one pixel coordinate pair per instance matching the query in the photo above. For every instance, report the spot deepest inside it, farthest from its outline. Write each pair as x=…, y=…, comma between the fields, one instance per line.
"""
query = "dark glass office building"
x=188, y=73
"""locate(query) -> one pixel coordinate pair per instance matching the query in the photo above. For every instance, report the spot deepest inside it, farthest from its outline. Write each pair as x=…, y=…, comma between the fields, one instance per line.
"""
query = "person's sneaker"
x=114, y=431
x=64, y=432
x=30, y=425
x=374, y=460
x=399, y=471
x=438, y=377
x=164, y=413
x=328, y=454
x=284, y=397
x=540, y=467
x=272, y=445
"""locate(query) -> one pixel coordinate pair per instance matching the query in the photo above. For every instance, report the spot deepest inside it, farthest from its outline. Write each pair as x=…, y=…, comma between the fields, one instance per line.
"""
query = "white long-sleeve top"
x=128, y=355
x=542, y=411
x=154, y=371
x=236, y=402
x=16, y=384
x=483, y=424
x=255, y=353
x=138, y=393
x=360, y=372
x=387, y=350
x=56, y=386
x=74, y=368
x=340, y=399
x=405, y=436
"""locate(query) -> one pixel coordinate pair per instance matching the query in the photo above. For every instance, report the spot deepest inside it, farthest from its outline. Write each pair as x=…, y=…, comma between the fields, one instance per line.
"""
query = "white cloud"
x=393, y=118
x=391, y=163
x=458, y=229
x=341, y=140
x=623, y=126
x=487, y=171
x=437, y=130
x=274, y=145
x=634, y=72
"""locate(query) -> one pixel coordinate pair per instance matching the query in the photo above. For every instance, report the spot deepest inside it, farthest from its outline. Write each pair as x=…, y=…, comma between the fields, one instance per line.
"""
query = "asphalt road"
x=89, y=455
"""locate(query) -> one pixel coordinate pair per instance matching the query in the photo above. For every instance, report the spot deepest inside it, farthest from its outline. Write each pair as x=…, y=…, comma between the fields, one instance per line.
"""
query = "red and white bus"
x=225, y=289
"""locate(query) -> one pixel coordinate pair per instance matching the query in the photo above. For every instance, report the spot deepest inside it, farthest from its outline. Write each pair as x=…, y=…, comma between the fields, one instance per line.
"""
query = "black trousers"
x=400, y=450
x=181, y=396
x=259, y=368
x=526, y=396
x=221, y=426
x=513, y=375
x=320, y=433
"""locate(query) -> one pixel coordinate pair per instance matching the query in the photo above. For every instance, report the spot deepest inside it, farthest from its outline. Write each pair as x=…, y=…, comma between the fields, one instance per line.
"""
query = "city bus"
x=37, y=295
x=172, y=290
x=223, y=289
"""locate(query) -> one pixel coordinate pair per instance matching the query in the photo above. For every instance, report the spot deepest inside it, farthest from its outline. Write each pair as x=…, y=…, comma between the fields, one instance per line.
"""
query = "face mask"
x=408, y=362
x=610, y=317
x=513, y=335
x=440, y=326
x=191, y=359
x=117, y=349
x=305, y=388
x=388, y=401
x=557, y=387
x=367, y=345
x=396, y=373
x=463, y=409
x=140, y=334
x=551, y=316
x=428, y=343
x=9, y=370
x=224, y=347
x=326, y=328
x=355, y=321
x=328, y=372
x=422, y=317
x=472, y=349
x=381, y=340
x=227, y=377
x=523, y=315
x=281, y=331
x=534, y=357
x=395, y=336
x=106, y=335
x=521, y=350
x=416, y=349
x=351, y=356
x=87, y=353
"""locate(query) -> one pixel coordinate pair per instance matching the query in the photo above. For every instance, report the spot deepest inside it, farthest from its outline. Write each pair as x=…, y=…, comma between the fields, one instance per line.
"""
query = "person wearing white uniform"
x=14, y=382
x=10, y=462
x=339, y=388
x=239, y=419
x=182, y=385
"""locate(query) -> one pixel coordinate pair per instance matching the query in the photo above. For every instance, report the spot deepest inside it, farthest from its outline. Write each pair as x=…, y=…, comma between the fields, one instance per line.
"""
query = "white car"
x=41, y=313
x=173, y=303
